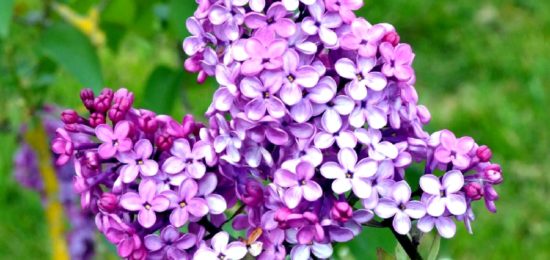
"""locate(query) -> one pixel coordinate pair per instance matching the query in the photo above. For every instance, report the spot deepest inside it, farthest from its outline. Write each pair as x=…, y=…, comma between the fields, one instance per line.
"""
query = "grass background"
x=483, y=69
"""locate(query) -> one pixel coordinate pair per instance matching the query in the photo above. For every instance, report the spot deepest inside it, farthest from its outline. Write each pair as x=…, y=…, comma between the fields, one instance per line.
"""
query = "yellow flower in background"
x=37, y=138
x=89, y=25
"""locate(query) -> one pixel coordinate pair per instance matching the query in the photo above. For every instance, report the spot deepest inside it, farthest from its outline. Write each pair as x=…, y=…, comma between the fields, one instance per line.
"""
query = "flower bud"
x=312, y=218
x=423, y=114
x=473, y=190
x=148, y=121
x=484, y=153
x=490, y=192
x=341, y=211
x=69, y=116
x=96, y=119
x=253, y=194
x=108, y=202
x=493, y=173
x=392, y=37
x=164, y=142
x=188, y=124
x=91, y=160
x=87, y=97
x=102, y=103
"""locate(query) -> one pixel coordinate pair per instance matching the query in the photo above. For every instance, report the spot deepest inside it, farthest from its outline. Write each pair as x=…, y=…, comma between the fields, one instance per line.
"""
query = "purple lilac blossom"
x=316, y=110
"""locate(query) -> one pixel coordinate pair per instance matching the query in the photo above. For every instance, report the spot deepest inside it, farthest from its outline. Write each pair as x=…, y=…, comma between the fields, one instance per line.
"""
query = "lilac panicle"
x=310, y=135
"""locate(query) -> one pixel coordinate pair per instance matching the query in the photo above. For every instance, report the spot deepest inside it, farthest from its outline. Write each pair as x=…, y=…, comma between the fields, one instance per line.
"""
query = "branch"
x=404, y=241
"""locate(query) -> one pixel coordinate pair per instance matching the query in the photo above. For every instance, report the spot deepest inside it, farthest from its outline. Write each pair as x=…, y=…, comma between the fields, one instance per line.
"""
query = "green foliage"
x=162, y=89
x=6, y=9
x=74, y=52
x=482, y=70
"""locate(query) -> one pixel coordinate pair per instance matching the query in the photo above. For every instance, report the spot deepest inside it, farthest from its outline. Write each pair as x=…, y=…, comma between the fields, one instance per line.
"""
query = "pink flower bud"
x=484, y=153
x=493, y=173
x=148, y=121
x=108, y=202
x=473, y=190
x=96, y=119
x=164, y=142
x=102, y=103
x=69, y=116
x=87, y=97
x=392, y=37
x=341, y=211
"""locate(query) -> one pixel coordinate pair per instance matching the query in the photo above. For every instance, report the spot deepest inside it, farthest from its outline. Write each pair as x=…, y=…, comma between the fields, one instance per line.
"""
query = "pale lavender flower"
x=138, y=161
x=444, y=194
x=361, y=76
x=148, y=202
x=363, y=37
x=170, y=244
x=265, y=53
x=345, y=8
x=113, y=141
x=183, y=158
x=322, y=24
x=298, y=184
x=349, y=174
x=263, y=95
x=398, y=206
x=199, y=39
x=445, y=225
x=397, y=60
x=454, y=150
x=292, y=5
x=295, y=76
x=275, y=19
x=185, y=203
x=221, y=248
x=226, y=20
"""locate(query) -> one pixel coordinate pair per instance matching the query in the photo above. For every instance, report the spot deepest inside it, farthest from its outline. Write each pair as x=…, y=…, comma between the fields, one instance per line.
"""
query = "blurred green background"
x=483, y=70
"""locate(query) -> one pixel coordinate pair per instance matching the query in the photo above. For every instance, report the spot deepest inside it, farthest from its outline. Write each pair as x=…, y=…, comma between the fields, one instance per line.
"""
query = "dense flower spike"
x=311, y=132
x=322, y=109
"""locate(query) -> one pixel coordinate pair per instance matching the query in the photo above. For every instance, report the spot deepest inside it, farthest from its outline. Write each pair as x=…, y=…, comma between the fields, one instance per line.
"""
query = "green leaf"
x=179, y=11
x=381, y=254
x=429, y=245
x=162, y=90
x=120, y=12
x=400, y=253
x=6, y=11
x=367, y=243
x=73, y=51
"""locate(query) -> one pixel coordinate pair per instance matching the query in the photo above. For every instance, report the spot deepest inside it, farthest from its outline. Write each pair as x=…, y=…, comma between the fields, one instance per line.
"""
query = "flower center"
x=183, y=204
x=267, y=94
x=140, y=162
x=359, y=76
x=147, y=206
x=290, y=78
x=115, y=143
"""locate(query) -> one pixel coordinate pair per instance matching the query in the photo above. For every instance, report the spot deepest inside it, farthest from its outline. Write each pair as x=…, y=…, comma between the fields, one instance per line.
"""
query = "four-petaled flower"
x=349, y=174
x=113, y=141
x=138, y=161
x=298, y=184
x=398, y=206
x=445, y=193
x=221, y=248
x=185, y=203
x=454, y=150
x=148, y=202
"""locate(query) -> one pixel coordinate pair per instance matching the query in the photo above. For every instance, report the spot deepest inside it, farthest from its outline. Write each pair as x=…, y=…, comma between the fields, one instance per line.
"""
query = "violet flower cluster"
x=310, y=135
x=80, y=234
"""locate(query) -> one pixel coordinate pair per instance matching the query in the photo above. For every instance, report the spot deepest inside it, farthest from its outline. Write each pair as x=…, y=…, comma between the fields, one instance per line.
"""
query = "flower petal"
x=401, y=223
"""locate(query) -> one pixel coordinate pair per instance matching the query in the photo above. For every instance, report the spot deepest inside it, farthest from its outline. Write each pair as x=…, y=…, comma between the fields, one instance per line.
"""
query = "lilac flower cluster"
x=310, y=135
x=80, y=236
x=323, y=122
